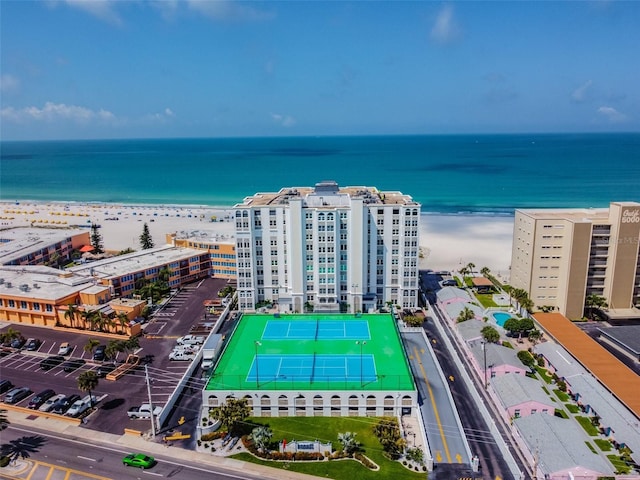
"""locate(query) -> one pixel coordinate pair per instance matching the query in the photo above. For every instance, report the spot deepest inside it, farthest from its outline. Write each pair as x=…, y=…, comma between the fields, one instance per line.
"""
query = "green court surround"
x=391, y=365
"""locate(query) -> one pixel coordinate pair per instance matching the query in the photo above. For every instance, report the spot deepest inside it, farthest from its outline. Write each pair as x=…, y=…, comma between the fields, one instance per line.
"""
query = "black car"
x=100, y=353
x=63, y=405
x=5, y=386
x=104, y=369
x=33, y=344
x=73, y=364
x=39, y=399
x=50, y=362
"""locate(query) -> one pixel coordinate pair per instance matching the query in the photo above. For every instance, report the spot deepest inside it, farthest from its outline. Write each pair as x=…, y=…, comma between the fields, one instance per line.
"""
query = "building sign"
x=631, y=216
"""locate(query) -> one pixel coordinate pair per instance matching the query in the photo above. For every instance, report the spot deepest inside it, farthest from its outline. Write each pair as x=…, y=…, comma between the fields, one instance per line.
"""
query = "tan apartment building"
x=221, y=248
x=561, y=256
x=39, y=246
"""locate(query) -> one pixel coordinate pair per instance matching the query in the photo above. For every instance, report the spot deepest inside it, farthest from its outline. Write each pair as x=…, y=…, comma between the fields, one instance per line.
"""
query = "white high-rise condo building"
x=561, y=256
x=327, y=248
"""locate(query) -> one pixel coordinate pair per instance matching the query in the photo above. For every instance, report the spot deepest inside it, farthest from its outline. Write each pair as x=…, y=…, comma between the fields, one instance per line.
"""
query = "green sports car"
x=138, y=460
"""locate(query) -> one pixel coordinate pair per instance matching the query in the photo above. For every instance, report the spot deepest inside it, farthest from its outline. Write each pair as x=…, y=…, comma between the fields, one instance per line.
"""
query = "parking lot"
x=185, y=309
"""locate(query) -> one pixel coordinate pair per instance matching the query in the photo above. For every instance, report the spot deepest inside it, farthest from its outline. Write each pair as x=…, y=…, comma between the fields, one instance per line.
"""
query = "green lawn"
x=544, y=374
x=605, y=445
x=561, y=395
x=572, y=408
x=486, y=299
x=561, y=413
x=586, y=424
x=593, y=450
x=619, y=464
x=327, y=429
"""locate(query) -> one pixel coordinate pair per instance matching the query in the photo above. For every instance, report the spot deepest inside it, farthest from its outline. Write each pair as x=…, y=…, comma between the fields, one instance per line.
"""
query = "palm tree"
x=485, y=271
x=87, y=317
x=231, y=413
x=490, y=334
x=113, y=348
x=88, y=381
x=348, y=441
x=123, y=320
x=10, y=334
x=261, y=437
x=470, y=267
x=594, y=302
x=71, y=314
x=465, y=314
x=91, y=345
x=534, y=336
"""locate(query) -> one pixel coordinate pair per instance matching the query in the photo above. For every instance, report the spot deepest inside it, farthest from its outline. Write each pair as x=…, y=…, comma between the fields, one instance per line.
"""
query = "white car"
x=80, y=406
x=65, y=349
x=48, y=405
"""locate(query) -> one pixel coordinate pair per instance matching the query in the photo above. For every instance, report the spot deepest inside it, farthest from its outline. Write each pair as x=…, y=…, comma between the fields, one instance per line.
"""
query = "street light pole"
x=257, y=344
x=362, y=343
x=484, y=354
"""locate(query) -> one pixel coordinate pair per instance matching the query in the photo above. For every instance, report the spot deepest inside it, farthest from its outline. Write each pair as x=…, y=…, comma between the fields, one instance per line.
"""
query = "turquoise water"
x=447, y=174
x=500, y=317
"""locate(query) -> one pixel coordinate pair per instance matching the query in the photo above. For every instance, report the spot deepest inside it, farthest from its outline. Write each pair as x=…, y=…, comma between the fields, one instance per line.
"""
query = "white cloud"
x=8, y=83
x=445, y=30
x=102, y=9
x=168, y=112
x=580, y=93
x=613, y=115
x=284, y=120
x=57, y=111
x=229, y=10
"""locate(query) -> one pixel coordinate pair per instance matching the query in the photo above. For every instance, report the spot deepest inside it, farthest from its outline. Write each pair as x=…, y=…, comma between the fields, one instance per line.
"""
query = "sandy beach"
x=448, y=242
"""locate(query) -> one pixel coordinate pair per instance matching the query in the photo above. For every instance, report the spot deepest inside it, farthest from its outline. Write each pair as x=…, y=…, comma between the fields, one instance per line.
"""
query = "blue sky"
x=79, y=69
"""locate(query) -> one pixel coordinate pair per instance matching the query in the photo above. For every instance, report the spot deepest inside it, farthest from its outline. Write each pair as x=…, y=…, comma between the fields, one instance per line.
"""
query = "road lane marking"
x=87, y=458
x=435, y=408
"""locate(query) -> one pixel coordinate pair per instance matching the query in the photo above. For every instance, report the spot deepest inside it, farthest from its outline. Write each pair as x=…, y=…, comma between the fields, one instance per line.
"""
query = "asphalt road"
x=446, y=441
x=55, y=456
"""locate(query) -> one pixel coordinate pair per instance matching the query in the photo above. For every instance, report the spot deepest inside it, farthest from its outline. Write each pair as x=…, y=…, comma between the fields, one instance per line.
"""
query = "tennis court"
x=313, y=352
x=310, y=368
x=316, y=330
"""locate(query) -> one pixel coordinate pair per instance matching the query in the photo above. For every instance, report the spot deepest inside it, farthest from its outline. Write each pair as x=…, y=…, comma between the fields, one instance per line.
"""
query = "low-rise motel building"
x=43, y=296
x=38, y=246
x=562, y=256
x=221, y=248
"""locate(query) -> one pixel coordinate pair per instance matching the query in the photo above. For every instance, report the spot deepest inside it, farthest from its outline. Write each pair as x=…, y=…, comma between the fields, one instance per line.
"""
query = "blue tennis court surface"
x=316, y=330
x=310, y=368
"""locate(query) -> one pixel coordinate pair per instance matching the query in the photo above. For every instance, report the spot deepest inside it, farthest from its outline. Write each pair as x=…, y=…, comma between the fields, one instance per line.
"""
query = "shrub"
x=4, y=461
x=207, y=437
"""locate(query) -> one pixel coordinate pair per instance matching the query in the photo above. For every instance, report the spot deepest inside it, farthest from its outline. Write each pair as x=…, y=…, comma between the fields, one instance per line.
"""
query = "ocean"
x=447, y=174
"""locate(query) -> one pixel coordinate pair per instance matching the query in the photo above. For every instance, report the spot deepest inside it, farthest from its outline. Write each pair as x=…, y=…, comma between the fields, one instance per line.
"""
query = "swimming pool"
x=501, y=317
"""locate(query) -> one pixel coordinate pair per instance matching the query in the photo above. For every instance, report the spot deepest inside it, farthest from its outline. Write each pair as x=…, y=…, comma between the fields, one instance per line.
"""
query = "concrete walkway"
x=137, y=443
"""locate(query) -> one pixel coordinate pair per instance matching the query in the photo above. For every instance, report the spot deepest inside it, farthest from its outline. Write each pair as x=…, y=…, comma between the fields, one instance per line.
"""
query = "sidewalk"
x=139, y=444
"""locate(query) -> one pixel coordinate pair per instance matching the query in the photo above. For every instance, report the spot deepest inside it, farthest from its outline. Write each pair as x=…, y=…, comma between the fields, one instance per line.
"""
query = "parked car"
x=80, y=406
x=5, y=386
x=105, y=368
x=18, y=342
x=16, y=394
x=138, y=460
x=48, y=405
x=73, y=364
x=33, y=344
x=65, y=348
x=37, y=400
x=50, y=362
x=100, y=353
x=61, y=406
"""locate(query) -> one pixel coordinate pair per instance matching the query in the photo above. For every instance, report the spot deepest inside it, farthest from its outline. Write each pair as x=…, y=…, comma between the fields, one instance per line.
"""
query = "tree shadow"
x=111, y=404
x=22, y=447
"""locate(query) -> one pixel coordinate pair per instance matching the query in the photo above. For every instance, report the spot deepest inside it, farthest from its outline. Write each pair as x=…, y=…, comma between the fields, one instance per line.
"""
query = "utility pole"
x=153, y=420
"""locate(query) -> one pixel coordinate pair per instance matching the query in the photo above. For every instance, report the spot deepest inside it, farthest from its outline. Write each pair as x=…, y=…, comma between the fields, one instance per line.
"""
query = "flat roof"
x=626, y=335
x=327, y=197
x=611, y=372
x=40, y=282
x=250, y=342
x=17, y=242
x=574, y=214
x=481, y=282
x=135, y=262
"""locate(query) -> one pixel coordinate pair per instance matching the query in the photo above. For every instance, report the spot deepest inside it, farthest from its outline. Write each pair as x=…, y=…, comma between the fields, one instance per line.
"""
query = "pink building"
x=521, y=396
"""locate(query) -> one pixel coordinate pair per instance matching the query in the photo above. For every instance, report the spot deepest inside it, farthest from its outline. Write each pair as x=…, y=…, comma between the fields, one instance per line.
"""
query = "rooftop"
x=574, y=214
x=40, y=282
x=17, y=242
x=613, y=374
x=515, y=390
x=327, y=194
x=135, y=262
